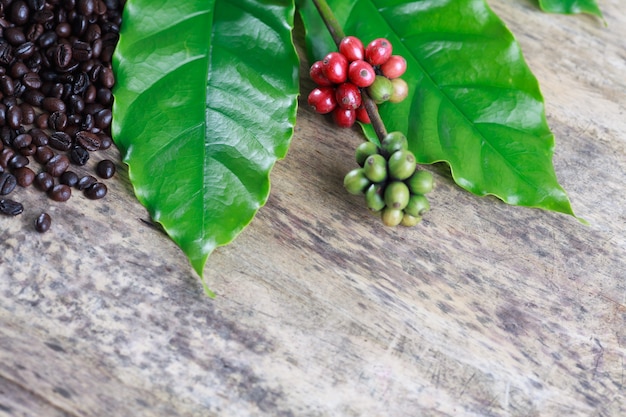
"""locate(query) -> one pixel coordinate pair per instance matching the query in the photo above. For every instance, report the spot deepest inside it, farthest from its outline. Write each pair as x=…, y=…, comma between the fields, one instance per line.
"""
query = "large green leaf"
x=205, y=103
x=474, y=103
x=571, y=6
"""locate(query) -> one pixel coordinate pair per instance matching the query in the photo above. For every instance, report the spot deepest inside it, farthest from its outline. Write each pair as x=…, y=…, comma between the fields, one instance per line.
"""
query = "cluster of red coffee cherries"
x=341, y=76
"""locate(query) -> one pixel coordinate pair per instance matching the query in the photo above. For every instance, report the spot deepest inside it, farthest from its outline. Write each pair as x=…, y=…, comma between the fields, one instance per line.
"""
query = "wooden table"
x=485, y=309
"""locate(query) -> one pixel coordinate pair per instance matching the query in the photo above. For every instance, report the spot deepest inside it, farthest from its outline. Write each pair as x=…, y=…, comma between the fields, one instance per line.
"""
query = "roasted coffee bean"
x=43, y=154
x=105, y=168
x=87, y=140
x=14, y=117
x=22, y=140
x=103, y=119
x=6, y=85
x=90, y=94
x=18, y=161
x=31, y=80
x=6, y=54
x=52, y=104
x=43, y=223
x=63, y=30
x=9, y=101
x=57, y=121
x=80, y=84
x=7, y=135
x=15, y=35
x=85, y=7
x=60, y=192
x=77, y=104
x=62, y=56
x=79, y=25
x=60, y=140
x=24, y=176
x=96, y=191
x=104, y=96
x=33, y=97
x=7, y=183
x=44, y=181
x=86, y=182
x=28, y=114
x=105, y=141
x=106, y=76
x=38, y=136
x=81, y=51
x=18, y=69
x=87, y=123
x=96, y=48
x=28, y=150
x=6, y=155
x=69, y=178
x=10, y=207
x=34, y=31
x=36, y=5
x=19, y=12
x=79, y=155
x=57, y=165
x=3, y=114
x=25, y=50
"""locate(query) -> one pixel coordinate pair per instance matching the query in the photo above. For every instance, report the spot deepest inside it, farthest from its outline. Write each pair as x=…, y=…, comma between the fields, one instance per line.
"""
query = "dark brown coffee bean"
x=90, y=94
x=25, y=50
x=44, y=181
x=80, y=84
x=105, y=168
x=19, y=12
x=15, y=35
x=6, y=85
x=34, y=31
x=52, y=104
x=14, y=117
x=33, y=97
x=10, y=207
x=105, y=141
x=7, y=183
x=60, y=192
x=22, y=141
x=106, y=76
x=85, y=7
x=24, y=176
x=3, y=114
x=104, y=96
x=57, y=165
x=39, y=137
x=18, y=69
x=6, y=54
x=18, y=161
x=96, y=191
x=93, y=32
x=28, y=114
x=96, y=48
x=60, y=140
x=79, y=155
x=89, y=141
x=36, y=5
x=31, y=80
x=43, y=223
x=86, y=182
x=77, y=104
x=57, y=121
x=6, y=155
x=62, y=56
x=103, y=119
x=29, y=150
x=43, y=154
x=63, y=30
x=81, y=51
x=79, y=25
x=69, y=178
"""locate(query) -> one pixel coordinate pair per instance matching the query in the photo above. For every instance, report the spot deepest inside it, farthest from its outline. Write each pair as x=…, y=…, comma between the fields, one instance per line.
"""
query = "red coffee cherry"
x=361, y=73
x=352, y=48
x=344, y=117
x=362, y=116
x=322, y=99
x=394, y=67
x=335, y=67
x=317, y=75
x=378, y=51
x=348, y=96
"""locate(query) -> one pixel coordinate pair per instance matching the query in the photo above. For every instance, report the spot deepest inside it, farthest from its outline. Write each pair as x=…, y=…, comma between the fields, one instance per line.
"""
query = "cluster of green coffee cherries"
x=390, y=180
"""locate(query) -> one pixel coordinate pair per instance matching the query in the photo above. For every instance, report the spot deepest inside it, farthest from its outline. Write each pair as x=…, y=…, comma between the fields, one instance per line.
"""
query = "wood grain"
x=483, y=310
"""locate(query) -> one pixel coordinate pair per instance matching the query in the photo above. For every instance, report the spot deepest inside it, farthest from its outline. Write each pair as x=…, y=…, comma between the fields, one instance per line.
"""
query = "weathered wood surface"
x=484, y=309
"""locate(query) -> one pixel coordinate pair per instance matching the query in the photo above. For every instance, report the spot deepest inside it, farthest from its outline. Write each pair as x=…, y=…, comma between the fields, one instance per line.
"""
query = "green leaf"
x=570, y=6
x=474, y=103
x=205, y=103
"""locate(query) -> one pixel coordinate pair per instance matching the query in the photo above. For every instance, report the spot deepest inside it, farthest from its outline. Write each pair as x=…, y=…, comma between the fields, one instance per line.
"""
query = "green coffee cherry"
x=391, y=217
x=397, y=195
x=417, y=206
x=364, y=150
x=381, y=89
x=402, y=164
x=375, y=168
x=394, y=141
x=421, y=182
x=356, y=182
x=374, y=197
x=409, y=221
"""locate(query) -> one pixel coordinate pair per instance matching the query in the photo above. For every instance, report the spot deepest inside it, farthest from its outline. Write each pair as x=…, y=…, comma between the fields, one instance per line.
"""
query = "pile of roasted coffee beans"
x=55, y=97
x=341, y=77
x=390, y=180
